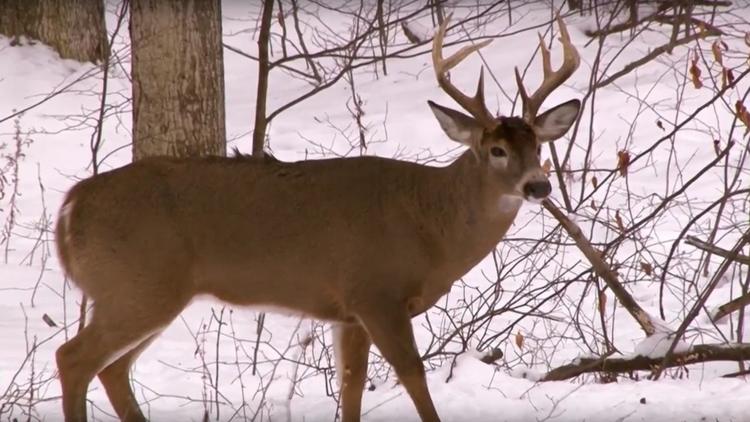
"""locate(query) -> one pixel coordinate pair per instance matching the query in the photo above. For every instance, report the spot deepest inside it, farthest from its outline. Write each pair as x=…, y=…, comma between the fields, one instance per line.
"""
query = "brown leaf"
x=602, y=302
x=647, y=268
x=623, y=162
x=695, y=73
x=742, y=115
x=547, y=167
x=702, y=27
x=594, y=181
x=593, y=204
x=716, y=50
x=729, y=75
x=660, y=125
x=618, y=220
x=519, y=340
x=717, y=147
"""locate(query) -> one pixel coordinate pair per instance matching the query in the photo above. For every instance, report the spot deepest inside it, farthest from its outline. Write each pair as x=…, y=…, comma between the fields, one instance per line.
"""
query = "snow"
x=657, y=345
x=174, y=378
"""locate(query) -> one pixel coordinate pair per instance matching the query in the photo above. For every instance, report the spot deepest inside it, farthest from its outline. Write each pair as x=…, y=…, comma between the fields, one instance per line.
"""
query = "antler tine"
x=474, y=105
x=552, y=79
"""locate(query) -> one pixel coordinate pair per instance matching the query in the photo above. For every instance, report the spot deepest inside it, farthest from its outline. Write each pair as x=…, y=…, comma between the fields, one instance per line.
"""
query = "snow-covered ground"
x=178, y=377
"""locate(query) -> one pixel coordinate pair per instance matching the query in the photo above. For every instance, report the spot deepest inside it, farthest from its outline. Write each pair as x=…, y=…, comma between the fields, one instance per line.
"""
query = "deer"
x=365, y=243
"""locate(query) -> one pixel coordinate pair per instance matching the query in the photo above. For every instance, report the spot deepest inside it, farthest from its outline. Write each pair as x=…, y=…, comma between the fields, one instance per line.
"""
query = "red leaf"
x=695, y=73
x=623, y=162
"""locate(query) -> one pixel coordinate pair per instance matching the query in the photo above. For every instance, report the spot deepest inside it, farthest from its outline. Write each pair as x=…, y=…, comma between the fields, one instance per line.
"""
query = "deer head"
x=508, y=147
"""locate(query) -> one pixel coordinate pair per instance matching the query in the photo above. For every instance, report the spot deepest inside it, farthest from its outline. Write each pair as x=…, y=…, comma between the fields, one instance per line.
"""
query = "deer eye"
x=498, y=152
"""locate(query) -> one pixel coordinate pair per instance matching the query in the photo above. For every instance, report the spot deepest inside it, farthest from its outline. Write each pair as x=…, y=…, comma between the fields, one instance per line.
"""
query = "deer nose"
x=537, y=190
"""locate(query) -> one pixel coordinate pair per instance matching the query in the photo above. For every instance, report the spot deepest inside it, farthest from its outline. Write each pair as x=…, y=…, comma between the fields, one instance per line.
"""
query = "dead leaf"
x=727, y=77
x=547, y=167
x=695, y=73
x=602, y=302
x=519, y=340
x=647, y=268
x=594, y=181
x=618, y=220
x=623, y=162
x=716, y=50
x=743, y=115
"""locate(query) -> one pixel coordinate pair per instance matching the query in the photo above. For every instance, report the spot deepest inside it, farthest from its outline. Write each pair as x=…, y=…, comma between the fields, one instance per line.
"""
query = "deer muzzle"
x=537, y=189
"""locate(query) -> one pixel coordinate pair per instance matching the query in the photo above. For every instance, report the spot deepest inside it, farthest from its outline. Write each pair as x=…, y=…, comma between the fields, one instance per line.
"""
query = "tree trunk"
x=74, y=28
x=261, y=120
x=178, y=78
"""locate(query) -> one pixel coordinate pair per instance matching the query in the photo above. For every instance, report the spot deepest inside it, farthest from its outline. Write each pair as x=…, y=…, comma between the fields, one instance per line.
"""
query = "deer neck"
x=468, y=215
x=481, y=202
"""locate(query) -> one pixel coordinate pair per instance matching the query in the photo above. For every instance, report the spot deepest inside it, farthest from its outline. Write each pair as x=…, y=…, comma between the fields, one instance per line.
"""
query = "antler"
x=552, y=79
x=474, y=105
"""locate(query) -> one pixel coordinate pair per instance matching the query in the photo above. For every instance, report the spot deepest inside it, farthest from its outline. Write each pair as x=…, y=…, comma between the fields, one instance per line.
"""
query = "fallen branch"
x=602, y=269
x=697, y=354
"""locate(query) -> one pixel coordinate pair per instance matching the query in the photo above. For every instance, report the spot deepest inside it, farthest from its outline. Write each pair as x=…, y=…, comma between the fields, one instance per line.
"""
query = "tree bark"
x=261, y=120
x=74, y=28
x=178, y=78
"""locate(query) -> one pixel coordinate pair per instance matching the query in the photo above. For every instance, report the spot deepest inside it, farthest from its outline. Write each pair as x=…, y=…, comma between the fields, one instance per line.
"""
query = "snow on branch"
x=695, y=354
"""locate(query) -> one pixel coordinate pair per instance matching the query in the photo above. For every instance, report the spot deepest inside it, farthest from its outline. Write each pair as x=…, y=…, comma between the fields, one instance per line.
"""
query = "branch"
x=602, y=269
x=694, y=241
x=656, y=52
x=696, y=354
x=731, y=306
x=701, y=302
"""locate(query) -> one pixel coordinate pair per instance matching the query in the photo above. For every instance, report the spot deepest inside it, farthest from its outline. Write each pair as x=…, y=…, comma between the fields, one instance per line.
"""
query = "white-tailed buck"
x=365, y=243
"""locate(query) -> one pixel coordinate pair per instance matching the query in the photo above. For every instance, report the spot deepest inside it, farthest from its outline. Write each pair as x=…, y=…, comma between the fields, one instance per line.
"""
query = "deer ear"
x=458, y=126
x=553, y=123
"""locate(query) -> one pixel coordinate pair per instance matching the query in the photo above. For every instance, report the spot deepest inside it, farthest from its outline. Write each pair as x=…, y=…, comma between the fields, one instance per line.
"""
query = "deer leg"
x=116, y=381
x=117, y=327
x=391, y=331
x=351, y=346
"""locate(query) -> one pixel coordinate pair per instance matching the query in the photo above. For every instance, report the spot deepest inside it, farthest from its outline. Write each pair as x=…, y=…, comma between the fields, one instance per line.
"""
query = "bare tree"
x=178, y=78
x=75, y=28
